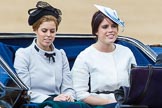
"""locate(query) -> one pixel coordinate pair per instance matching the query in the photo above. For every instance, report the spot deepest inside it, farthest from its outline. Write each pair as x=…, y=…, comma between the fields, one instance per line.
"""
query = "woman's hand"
x=63, y=97
x=93, y=100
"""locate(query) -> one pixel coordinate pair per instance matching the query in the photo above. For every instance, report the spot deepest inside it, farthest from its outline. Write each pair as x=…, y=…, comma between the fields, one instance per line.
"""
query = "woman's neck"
x=105, y=48
x=49, y=48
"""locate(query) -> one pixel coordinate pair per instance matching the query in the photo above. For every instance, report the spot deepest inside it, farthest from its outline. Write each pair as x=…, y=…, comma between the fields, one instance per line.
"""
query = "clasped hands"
x=64, y=97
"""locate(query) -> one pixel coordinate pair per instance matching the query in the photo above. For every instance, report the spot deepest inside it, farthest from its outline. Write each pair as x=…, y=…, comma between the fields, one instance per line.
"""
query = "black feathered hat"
x=43, y=8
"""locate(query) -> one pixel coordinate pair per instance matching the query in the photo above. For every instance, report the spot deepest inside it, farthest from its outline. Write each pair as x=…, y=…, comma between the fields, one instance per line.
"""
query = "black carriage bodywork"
x=14, y=91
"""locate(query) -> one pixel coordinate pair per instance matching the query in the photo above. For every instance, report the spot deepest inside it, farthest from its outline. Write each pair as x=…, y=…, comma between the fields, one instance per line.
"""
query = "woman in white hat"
x=104, y=66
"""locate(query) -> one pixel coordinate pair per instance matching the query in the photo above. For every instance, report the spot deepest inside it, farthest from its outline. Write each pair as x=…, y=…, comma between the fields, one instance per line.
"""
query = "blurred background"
x=143, y=18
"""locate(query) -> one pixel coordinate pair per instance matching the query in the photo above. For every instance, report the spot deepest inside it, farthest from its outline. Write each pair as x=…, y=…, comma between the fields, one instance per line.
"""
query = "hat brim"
x=111, y=14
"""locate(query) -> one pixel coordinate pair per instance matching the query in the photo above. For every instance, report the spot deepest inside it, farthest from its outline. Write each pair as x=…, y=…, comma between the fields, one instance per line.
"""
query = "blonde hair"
x=45, y=18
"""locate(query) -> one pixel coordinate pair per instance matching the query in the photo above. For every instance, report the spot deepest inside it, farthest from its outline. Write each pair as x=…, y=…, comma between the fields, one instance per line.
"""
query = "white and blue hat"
x=112, y=14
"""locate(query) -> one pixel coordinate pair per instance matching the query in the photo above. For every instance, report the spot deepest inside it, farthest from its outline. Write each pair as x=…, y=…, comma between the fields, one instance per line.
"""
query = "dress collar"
x=50, y=55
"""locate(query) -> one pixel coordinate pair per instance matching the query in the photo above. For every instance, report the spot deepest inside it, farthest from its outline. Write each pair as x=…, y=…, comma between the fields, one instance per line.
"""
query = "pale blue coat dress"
x=43, y=77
